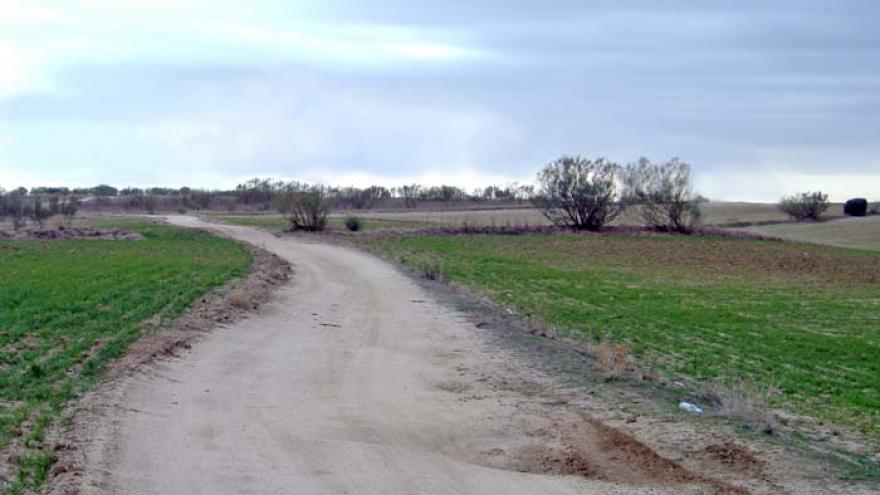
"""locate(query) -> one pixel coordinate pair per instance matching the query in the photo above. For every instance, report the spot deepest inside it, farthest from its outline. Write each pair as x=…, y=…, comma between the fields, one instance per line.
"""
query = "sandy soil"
x=355, y=380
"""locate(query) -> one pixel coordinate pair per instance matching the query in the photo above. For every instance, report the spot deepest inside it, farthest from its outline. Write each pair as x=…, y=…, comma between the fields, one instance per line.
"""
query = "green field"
x=860, y=233
x=69, y=307
x=805, y=318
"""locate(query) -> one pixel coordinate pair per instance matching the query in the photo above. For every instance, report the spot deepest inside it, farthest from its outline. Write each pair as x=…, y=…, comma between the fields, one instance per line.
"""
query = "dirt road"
x=353, y=381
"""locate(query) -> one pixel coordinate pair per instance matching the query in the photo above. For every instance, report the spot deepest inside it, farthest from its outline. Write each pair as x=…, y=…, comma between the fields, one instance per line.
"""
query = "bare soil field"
x=854, y=232
x=356, y=379
x=715, y=214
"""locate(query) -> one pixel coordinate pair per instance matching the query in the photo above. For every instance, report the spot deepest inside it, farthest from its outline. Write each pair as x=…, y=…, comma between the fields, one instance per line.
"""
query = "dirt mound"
x=63, y=233
x=584, y=446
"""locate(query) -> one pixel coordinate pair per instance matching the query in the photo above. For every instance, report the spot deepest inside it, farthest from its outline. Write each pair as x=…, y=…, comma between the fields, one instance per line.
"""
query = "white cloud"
x=185, y=89
x=12, y=69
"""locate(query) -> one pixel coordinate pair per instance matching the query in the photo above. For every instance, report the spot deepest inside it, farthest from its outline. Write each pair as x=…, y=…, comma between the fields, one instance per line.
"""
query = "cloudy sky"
x=762, y=97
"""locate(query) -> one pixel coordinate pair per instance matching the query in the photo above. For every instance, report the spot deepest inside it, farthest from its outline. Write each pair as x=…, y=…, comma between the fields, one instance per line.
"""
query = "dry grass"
x=855, y=232
x=739, y=400
x=612, y=359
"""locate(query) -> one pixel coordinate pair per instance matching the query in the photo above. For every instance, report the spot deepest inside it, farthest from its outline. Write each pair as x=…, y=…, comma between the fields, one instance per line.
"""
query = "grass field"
x=860, y=233
x=69, y=307
x=802, y=317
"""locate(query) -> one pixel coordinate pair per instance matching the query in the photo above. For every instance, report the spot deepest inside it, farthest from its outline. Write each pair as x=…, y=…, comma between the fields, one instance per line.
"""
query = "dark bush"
x=856, y=207
x=353, y=224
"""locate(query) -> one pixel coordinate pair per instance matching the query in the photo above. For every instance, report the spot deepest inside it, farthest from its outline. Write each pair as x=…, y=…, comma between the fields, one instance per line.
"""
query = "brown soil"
x=585, y=446
x=735, y=456
x=67, y=233
x=228, y=304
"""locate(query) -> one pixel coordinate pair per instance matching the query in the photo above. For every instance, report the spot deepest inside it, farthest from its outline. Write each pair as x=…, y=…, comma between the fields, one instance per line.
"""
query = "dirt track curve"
x=353, y=381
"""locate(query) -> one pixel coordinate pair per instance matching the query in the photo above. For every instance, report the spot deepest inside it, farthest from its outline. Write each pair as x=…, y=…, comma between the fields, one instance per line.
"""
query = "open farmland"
x=277, y=222
x=802, y=318
x=714, y=213
x=854, y=232
x=69, y=307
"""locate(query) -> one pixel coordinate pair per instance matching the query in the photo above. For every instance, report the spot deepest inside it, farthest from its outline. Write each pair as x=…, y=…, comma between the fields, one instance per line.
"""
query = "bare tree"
x=664, y=194
x=69, y=208
x=580, y=193
x=411, y=193
x=305, y=206
x=38, y=212
x=17, y=208
x=805, y=206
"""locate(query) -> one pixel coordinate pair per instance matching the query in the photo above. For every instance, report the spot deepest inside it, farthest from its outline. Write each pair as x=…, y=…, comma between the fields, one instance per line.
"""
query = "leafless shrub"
x=410, y=194
x=539, y=326
x=15, y=206
x=580, y=193
x=39, y=213
x=647, y=368
x=664, y=194
x=611, y=359
x=305, y=206
x=805, y=206
x=739, y=400
x=68, y=208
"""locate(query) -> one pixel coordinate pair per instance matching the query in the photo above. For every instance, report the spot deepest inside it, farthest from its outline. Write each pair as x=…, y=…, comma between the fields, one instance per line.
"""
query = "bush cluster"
x=305, y=206
x=21, y=207
x=588, y=194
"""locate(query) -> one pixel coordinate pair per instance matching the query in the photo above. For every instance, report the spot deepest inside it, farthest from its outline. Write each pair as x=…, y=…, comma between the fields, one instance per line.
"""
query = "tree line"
x=21, y=207
x=572, y=191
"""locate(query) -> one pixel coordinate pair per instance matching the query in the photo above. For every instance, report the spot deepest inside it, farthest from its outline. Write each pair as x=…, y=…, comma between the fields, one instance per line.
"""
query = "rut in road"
x=353, y=380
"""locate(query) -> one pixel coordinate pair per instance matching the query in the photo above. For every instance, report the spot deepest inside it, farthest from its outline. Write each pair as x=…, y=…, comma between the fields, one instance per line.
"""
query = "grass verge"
x=69, y=307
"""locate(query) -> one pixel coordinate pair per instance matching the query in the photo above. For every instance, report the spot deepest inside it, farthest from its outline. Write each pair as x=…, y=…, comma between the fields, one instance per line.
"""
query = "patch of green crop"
x=69, y=307
x=803, y=318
